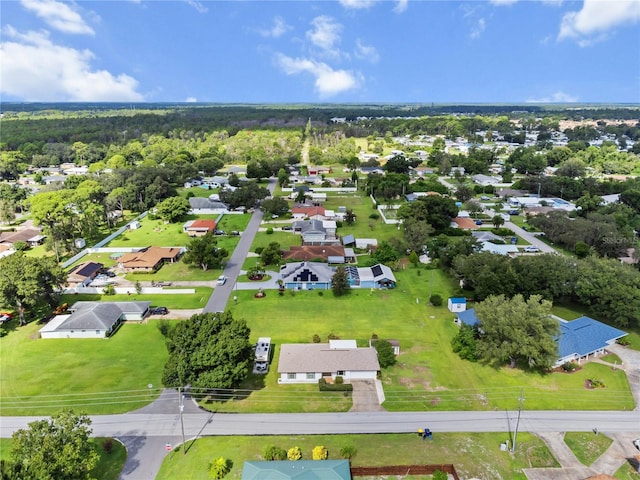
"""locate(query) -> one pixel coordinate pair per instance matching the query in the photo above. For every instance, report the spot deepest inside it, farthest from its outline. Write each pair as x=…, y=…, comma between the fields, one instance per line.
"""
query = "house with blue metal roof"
x=579, y=339
x=583, y=338
x=457, y=304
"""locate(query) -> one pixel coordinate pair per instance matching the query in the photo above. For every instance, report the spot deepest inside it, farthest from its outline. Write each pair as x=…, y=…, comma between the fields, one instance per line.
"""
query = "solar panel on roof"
x=377, y=270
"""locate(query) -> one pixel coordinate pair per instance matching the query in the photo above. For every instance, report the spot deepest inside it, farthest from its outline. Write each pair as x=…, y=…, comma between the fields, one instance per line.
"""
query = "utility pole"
x=181, y=405
x=515, y=433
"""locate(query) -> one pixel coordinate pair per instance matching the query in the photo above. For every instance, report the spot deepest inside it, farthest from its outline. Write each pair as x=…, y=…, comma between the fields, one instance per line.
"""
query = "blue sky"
x=483, y=51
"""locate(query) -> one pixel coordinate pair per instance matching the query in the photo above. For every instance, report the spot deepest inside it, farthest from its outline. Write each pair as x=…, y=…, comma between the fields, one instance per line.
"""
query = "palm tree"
x=497, y=221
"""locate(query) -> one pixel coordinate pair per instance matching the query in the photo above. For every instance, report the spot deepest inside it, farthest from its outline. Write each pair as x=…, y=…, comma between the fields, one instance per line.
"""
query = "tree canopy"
x=515, y=330
x=204, y=252
x=340, y=282
x=55, y=449
x=210, y=350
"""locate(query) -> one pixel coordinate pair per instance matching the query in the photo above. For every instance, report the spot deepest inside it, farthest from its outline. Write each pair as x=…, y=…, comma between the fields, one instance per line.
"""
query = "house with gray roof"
x=377, y=276
x=94, y=319
x=206, y=206
x=297, y=470
x=307, y=275
x=309, y=362
x=317, y=232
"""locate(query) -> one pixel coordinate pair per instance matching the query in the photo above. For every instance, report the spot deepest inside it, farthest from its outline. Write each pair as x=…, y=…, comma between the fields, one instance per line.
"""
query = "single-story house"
x=318, y=170
x=377, y=276
x=463, y=223
x=583, y=338
x=206, y=206
x=510, y=250
x=485, y=180
x=486, y=236
x=316, y=232
x=457, y=304
x=579, y=339
x=297, y=470
x=192, y=183
x=308, y=363
x=307, y=275
x=198, y=228
x=94, y=319
x=307, y=212
x=366, y=243
x=83, y=273
x=322, y=252
x=31, y=236
x=149, y=259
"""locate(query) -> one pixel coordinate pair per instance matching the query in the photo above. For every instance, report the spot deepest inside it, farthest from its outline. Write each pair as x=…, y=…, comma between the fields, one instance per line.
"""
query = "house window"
x=291, y=376
x=340, y=373
x=97, y=332
x=311, y=376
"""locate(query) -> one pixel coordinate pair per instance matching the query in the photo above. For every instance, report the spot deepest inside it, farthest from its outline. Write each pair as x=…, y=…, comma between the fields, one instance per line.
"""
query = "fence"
x=404, y=470
x=131, y=290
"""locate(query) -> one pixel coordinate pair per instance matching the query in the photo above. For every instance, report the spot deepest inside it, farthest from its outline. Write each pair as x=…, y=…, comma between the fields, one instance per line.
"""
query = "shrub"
x=333, y=336
x=274, y=453
x=374, y=336
x=348, y=452
x=374, y=216
x=386, y=357
x=339, y=380
x=316, y=338
x=338, y=223
x=107, y=445
x=164, y=326
x=294, y=453
x=109, y=290
x=319, y=452
x=569, y=366
x=439, y=475
x=502, y=232
x=320, y=293
x=435, y=300
x=323, y=386
x=220, y=467
x=624, y=341
x=581, y=249
x=259, y=250
x=596, y=383
x=269, y=231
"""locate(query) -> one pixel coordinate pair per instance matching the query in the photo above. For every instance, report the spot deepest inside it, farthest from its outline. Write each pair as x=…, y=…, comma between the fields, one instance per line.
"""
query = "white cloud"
x=557, y=97
x=596, y=18
x=278, y=28
x=58, y=15
x=401, y=6
x=191, y=100
x=328, y=82
x=356, y=4
x=35, y=69
x=366, y=52
x=502, y=3
x=479, y=28
x=325, y=34
x=199, y=6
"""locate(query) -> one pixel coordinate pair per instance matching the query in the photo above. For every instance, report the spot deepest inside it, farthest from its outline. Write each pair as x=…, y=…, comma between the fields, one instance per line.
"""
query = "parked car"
x=514, y=212
x=287, y=228
x=218, y=232
x=221, y=280
x=235, y=233
x=158, y=310
x=531, y=249
x=478, y=222
x=636, y=443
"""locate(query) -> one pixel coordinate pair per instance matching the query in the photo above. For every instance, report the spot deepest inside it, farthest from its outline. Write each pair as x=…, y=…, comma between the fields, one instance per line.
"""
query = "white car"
x=221, y=280
x=636, y=443
x=531, y=249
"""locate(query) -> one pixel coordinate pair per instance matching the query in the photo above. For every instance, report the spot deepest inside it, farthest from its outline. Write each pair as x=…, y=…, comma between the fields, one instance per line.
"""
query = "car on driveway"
x=158, y=310
x=287, y=228
x=478, y=222
x=531, y=249
x=221, y=280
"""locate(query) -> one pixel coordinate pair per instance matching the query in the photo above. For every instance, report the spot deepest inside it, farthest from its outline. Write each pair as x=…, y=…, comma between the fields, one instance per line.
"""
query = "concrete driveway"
x=365, y=397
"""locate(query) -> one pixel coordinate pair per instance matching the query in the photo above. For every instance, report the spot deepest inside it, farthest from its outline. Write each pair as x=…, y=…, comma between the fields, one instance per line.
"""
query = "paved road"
x=530, y=237
x=220, y=296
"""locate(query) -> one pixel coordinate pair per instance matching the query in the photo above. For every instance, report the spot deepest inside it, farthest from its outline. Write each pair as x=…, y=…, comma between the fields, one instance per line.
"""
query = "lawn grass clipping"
x=587, y=446
x=40, y=377
x=474, y=455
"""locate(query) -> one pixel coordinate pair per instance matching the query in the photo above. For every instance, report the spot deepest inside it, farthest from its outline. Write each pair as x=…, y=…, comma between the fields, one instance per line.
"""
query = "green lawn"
x=157, y=233
x=474, y=455
x=173, y=272
x=177, y=301
x=39, y=377
x=626, y=472
x=586, y=446
x=109, y=465
x=422, y=378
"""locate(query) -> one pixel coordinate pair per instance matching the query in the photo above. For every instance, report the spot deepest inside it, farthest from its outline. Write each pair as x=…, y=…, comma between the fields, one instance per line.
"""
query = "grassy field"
x=177, y=301
x=626, y=472
x=174, y=272
x=157, y=232
x=39, y=377
x=586, y=446
x=109, y=465
x=475, y=455
x=422, y=378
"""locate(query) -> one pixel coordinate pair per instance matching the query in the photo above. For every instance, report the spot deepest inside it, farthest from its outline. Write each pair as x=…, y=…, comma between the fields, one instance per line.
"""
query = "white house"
x=308, y=363
x=457, y=304
x=94, y=319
